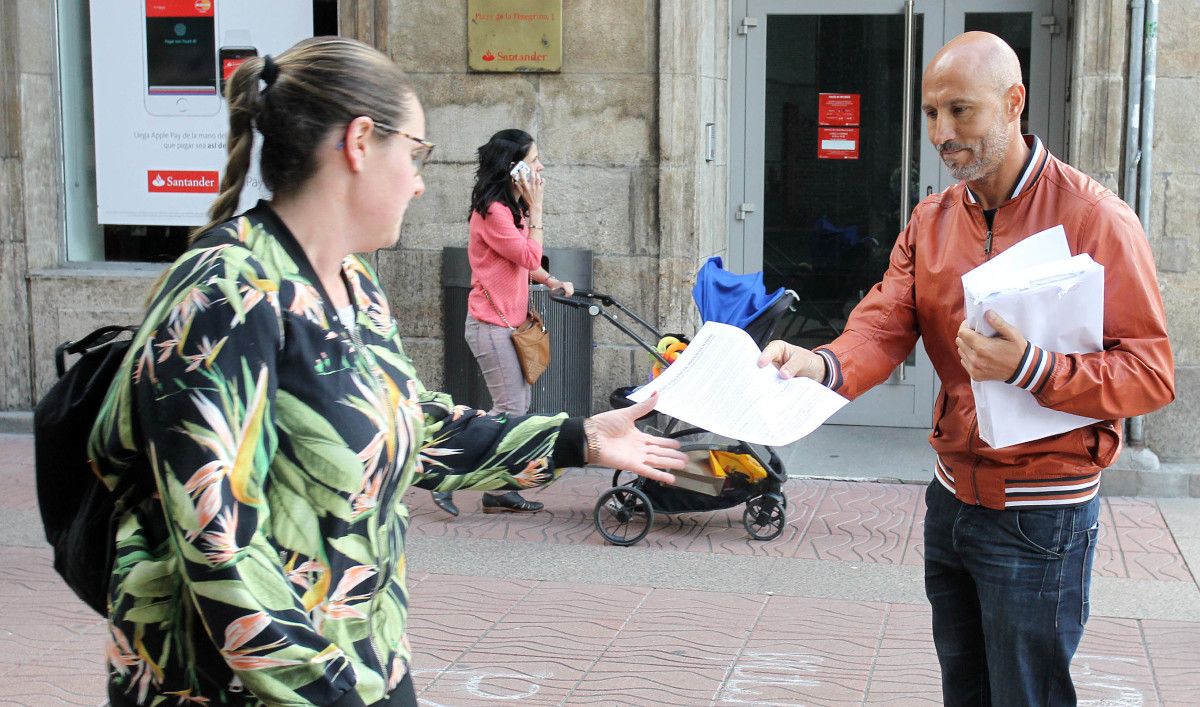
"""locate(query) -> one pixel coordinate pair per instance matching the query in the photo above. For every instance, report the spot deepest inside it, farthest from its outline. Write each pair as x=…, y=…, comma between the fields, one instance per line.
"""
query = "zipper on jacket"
x=989, y=215
x=381, y=521
x=382, y=527
x=974, y=462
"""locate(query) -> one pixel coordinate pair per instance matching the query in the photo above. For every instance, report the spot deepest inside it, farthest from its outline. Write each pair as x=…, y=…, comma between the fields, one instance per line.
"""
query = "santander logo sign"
x=488, y=56
x=162, y=181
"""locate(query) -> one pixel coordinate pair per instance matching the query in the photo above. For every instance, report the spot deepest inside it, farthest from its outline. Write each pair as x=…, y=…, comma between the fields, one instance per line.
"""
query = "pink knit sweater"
x=502, y=256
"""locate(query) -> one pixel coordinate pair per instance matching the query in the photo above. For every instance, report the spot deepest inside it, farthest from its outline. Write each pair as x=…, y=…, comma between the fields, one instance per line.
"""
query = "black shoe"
x=445, y=501
x=510, y=502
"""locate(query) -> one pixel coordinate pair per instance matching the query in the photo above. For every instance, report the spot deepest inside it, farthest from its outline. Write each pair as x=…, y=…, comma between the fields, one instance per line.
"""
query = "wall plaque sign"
x=514, y=35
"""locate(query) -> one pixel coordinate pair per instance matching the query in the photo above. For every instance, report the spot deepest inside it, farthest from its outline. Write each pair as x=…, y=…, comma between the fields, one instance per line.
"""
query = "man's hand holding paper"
x=989, y=358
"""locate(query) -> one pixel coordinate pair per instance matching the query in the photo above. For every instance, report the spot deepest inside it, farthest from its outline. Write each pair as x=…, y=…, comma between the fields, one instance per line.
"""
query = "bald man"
x=1009, y=533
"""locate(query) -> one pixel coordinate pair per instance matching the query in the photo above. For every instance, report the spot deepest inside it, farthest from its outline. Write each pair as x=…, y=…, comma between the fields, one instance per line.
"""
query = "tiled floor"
x=506, y=641
x=827, y=520
x=537, y=643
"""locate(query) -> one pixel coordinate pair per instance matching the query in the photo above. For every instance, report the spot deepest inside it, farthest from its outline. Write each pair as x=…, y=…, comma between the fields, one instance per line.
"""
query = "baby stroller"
x=721, y=473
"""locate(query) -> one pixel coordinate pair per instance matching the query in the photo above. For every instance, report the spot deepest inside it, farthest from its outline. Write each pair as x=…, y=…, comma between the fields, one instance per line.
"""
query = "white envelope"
x=1057, y=302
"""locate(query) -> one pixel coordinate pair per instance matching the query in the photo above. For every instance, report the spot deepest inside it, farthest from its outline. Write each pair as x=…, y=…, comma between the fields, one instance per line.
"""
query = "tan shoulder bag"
x=531, y=341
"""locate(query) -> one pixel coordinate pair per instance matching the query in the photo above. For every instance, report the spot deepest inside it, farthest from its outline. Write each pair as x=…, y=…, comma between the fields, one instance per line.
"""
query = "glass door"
x=1036, y=30
x=830, y=167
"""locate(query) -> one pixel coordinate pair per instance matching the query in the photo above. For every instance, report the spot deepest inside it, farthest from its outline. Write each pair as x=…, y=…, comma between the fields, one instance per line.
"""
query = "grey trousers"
x=493, y=349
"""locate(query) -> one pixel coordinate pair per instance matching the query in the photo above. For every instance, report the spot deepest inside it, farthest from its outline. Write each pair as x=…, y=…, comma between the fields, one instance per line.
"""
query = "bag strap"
x=491, y=302
x=105, y=334
x=535, y=315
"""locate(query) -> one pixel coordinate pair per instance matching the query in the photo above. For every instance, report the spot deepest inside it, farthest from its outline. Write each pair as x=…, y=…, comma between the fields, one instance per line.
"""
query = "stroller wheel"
x=764, y=517
x=623, y=515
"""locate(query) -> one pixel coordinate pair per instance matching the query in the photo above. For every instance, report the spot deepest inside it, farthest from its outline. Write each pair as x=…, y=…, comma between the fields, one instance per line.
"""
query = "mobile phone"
x=181, y=57
x=520, y=171
x=235, y=50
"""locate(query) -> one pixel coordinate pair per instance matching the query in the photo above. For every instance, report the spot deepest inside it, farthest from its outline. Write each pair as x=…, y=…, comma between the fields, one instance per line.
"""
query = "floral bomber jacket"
x=268, y=567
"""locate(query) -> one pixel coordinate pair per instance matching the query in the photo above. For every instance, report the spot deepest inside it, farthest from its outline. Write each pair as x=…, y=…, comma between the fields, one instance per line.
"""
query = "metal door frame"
x=747, y=131
x=748, y=49
x=1048, y=17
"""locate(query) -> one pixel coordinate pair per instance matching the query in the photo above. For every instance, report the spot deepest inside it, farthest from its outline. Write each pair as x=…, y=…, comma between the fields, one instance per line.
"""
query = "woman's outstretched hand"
x=624, y=446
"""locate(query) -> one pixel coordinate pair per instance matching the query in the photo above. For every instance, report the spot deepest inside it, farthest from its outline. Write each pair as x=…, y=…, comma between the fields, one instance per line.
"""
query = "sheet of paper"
x=716, y=385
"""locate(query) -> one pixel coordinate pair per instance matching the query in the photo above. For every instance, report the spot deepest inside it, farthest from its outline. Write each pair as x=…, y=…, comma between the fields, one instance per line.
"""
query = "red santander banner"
x=179, y=8
x=164, y=181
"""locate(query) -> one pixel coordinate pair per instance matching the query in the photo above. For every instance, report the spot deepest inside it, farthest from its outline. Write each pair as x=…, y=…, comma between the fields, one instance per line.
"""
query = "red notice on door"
x=837, y=143
x=838, y=108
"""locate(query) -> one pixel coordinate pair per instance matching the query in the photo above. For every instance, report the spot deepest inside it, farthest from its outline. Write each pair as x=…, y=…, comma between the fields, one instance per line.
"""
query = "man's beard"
x=988, y=153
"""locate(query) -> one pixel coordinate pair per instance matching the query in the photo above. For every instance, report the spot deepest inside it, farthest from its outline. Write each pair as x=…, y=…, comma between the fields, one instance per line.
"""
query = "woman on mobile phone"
x=268, y=400
x=505, y=251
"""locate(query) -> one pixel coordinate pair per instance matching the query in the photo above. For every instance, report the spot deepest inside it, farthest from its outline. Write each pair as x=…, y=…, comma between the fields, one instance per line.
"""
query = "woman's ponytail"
x=244, y=100
x=318, y=85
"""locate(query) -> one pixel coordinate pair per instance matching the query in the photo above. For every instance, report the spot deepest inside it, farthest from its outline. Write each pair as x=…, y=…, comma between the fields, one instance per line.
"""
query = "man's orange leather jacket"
x=921, y=295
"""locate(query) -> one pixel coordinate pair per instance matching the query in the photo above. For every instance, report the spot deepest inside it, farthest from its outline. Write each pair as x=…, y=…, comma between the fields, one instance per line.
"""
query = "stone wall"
x=622, y=130
x=694, y=76
x=26, y=85
x=1101, y=46
x=1097, y=109
x=597, y=129
x=1175, y=223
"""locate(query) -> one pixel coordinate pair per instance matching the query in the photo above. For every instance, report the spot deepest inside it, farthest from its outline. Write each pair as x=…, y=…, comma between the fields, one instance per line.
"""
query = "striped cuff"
x=1034, y=370
x=833, y=369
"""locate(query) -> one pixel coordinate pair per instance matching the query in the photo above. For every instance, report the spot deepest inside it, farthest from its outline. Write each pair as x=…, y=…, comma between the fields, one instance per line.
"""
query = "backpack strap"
x=99, y=337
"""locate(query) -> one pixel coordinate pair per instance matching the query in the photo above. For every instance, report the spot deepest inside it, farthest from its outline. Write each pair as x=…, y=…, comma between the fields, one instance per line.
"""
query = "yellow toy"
x=669, y=347
x=722, y=463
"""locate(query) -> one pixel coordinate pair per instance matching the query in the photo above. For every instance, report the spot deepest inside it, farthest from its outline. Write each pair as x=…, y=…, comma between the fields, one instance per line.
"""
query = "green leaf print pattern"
x=269, y=568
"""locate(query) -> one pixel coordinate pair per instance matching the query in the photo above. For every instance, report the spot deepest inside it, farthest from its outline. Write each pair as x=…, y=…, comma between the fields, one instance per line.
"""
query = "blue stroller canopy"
x=728, y=298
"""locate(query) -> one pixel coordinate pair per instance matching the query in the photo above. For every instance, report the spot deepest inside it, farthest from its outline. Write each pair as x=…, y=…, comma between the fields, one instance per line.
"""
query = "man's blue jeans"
x=1009, y=591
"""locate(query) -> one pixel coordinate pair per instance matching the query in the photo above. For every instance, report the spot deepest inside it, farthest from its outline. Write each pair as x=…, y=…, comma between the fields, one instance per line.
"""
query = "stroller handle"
x=581, y=299
x=596, y=304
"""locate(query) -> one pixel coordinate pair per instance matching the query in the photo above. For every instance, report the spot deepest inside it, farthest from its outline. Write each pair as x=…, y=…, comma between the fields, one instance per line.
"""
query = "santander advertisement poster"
x=158, y=73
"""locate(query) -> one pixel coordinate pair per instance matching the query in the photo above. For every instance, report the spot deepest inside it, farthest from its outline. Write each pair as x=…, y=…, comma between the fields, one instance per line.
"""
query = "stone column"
x=30, y=230
x=1170, y=464
x=1175, y=230
x=693, y=190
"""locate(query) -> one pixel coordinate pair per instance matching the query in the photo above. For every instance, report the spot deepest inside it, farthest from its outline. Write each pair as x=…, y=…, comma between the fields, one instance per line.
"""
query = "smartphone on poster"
x=520, y=171
x=181, y=57
x=235, y=49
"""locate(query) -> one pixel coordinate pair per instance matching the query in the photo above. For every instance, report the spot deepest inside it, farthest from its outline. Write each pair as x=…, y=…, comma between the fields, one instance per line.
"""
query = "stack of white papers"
x=1056, y=301
x=716, y=385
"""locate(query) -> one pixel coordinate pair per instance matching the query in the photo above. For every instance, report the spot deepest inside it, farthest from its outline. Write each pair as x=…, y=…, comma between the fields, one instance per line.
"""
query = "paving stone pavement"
x=537, y=610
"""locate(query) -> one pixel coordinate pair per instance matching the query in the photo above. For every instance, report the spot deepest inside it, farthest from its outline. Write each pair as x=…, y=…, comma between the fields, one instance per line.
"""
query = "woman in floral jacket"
x=268, y=396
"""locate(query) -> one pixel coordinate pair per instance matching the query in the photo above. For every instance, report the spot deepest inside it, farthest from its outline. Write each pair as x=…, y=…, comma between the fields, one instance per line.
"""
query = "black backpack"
x=78, y=510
